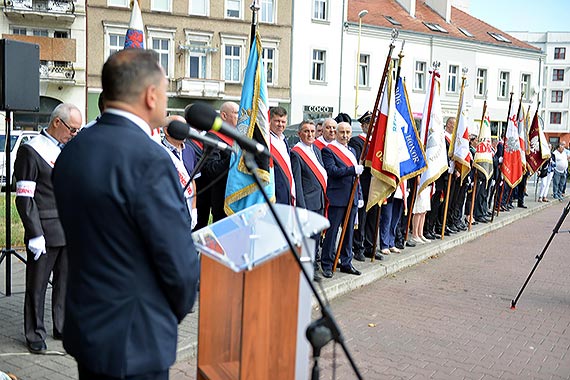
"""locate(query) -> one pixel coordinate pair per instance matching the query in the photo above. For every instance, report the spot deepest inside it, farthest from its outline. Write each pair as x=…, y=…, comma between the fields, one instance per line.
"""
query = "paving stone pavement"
x=14, y=357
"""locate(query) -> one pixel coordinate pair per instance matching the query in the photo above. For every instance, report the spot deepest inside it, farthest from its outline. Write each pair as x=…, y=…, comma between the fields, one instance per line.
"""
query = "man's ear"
x=150, y=96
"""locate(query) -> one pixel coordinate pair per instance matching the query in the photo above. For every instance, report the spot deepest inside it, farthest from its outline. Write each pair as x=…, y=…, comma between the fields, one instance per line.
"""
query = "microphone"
x=203, y=117
x=182, y=131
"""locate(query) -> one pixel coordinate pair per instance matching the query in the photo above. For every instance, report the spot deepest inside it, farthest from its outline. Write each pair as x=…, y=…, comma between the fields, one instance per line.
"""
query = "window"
x=452, y=74
x=232, y=63
x=555, y=117
x=503, y=84
x=559, y=53
x=481, y=82
x=197, y=60
x=321, y=10
x=420, y=76
x=499, y=37
x=392, y=21
x=363, y=70
x=267, y=11
x=116, y=42
x=118, y=3
x=160, y=5
x=268, y=57
x=60, y=34
x=319, y=61
x=558, y=74
x=435, y=27
x=466, y=32
x=19, y=31
x=40, y=32
x=199, y=7
x=233, y=9
x=525, y=86
x=556, y=96
x=162, y=47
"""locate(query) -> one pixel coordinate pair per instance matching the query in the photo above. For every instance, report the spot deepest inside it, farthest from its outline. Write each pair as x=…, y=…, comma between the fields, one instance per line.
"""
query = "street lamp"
x=361, y=14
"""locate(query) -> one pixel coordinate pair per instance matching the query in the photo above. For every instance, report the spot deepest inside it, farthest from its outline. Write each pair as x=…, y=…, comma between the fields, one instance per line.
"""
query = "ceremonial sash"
x=321, y=143
x=45, y=148
x=285, y=165
x=362, y=137
x=183, y=177
x=342, y=152
x=317, y=170
x=224, y=138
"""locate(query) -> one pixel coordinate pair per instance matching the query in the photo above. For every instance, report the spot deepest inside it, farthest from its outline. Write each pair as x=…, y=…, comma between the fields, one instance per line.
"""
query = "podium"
x=254, y=302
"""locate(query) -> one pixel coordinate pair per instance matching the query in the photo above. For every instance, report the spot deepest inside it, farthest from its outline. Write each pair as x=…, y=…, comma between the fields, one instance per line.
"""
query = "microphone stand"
x=325, y=329
x=539, y=257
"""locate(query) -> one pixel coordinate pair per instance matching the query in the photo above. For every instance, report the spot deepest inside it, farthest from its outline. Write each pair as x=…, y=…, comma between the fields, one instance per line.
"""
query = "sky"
x=524, y=15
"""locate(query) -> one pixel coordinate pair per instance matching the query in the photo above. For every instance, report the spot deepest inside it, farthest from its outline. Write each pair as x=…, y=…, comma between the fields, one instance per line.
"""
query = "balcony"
x=61, y=11
x=51, y=49
x=57, y=71
x=200, y=88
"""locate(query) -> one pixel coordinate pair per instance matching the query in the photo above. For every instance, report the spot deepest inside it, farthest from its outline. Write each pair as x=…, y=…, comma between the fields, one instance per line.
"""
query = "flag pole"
x=375, y=115
x=435, y=65
x=254, y=9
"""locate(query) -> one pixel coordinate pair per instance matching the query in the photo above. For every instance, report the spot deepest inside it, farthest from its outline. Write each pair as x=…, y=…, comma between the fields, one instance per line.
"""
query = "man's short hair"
x=279, y=111
x=62, y=111
x=306, y=121
x=127, y=73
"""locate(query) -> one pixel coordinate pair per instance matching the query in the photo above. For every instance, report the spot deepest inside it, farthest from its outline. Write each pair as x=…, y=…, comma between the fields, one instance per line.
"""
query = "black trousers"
x=85, y=374
x=37, y=276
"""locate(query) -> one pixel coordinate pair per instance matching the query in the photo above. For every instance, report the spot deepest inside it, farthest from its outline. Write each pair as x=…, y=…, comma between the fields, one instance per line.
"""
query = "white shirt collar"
x=132, y=117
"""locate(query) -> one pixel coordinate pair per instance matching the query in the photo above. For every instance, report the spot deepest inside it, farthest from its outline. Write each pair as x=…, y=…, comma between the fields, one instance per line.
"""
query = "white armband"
x=25, y=189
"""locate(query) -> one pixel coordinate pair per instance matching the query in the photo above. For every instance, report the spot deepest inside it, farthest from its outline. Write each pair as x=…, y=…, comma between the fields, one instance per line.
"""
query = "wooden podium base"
x=247, y=325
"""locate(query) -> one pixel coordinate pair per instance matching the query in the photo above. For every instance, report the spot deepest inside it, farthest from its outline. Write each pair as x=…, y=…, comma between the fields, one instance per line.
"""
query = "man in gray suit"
x=43, y=234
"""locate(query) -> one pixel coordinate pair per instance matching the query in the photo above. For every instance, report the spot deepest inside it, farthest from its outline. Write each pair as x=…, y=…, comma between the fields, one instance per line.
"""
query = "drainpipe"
x=341, y=55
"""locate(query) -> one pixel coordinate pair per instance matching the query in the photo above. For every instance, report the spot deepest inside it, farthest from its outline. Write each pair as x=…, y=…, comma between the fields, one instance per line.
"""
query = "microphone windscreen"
x=201, y=116
x=178, y=130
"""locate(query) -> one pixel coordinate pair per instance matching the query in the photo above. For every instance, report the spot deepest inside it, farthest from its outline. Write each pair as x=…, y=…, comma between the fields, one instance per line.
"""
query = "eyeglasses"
x=72, y=130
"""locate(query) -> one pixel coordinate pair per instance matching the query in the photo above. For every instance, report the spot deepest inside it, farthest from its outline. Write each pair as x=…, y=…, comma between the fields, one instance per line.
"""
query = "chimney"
x=409, y=6
x=441, y=7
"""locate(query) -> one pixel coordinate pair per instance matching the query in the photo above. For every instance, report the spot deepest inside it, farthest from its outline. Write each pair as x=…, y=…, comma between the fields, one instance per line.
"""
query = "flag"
x=483, y=160
x=135, y=33
x=241, y=190
x=383, y=164
x=512, y=164
x=523, y=136
x=410, y=151
x=433, y=136
x=459, y=147
x=538, y=149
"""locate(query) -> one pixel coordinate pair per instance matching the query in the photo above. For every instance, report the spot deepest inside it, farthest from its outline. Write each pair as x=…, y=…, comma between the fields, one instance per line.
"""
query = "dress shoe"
x=377, y=256
x=350, y=270
x=462, y=226
x=482, y=220
x=37, y=347
x=57, y=335
x=400, y=245
x=429, y=235
x=452, y=229
x=521, y=205
x=359, y=257
x=410, y=243
x=545, y=200
x=474, y=223
x=327, y=273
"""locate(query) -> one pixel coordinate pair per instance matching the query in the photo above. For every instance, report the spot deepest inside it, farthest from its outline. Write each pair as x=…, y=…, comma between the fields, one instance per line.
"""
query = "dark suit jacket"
x=133, y=269
x=340, y=179
x=282, y=187
x=38, y=214
x=308, y=190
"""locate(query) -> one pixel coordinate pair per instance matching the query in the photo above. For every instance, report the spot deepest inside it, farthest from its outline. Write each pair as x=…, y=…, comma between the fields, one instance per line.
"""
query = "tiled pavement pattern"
x=430, y=320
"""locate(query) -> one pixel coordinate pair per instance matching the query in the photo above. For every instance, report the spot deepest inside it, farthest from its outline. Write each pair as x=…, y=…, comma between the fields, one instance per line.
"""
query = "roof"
x=476, y=30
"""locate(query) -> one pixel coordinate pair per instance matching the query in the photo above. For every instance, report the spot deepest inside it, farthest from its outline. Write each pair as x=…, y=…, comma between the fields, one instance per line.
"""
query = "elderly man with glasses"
x=43, y=233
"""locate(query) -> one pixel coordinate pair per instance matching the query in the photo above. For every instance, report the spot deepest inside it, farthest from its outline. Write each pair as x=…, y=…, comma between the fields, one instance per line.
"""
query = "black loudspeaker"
x=19, y=76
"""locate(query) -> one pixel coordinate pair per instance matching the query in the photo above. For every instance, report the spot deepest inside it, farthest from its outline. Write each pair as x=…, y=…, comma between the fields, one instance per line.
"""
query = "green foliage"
x=17, y=228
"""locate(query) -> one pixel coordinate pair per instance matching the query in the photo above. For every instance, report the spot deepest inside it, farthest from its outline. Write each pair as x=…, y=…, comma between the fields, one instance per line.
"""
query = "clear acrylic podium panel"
x=252, y=236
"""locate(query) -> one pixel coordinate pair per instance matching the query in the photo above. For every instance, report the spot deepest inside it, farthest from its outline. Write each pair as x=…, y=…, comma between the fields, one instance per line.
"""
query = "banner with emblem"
x=135, y=34
x=512, y=168
x=483, y=160
x=253, y=122
x=459, y=146
x=538, y=148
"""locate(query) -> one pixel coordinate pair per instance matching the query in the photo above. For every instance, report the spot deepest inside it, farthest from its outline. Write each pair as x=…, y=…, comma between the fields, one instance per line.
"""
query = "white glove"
x=451, y=167
x=38, y=246
x=360, y=203
x=500, y=160
x=359, y=169
x=194, y=215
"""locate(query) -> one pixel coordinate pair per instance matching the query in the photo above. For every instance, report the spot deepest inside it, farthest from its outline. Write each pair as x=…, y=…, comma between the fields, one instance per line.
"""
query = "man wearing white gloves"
x=43, y=234
x=342, y=168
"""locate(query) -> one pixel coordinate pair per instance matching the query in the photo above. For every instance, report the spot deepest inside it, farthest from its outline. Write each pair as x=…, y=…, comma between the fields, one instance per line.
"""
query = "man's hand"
x=38, y=246
x=358, y=169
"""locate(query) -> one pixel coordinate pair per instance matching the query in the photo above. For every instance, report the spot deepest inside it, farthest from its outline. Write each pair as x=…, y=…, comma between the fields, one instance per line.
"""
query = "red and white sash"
x=224, y=138
x=342, y=152
x=314, y=164
x=46, y=149
x=321, y=142
x=279, y=153
x=183, y=176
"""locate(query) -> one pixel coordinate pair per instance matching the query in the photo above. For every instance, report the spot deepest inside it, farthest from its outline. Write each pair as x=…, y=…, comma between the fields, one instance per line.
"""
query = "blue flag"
x=241, y=190
x=410, y=150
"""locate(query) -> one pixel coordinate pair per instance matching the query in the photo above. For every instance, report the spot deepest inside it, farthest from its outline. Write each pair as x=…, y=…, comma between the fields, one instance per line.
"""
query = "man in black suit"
x=342, y=168
x=284, y=183
x=43, y=234
x=211, y=185
x=133, y=268
x=310, y=175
